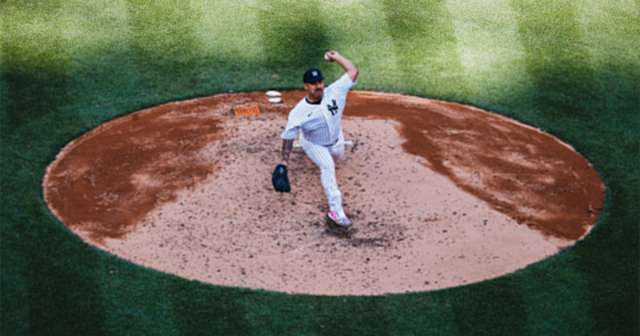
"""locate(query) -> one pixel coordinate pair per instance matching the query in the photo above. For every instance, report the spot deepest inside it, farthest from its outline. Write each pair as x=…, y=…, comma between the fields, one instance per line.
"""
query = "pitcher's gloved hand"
x=280, y=179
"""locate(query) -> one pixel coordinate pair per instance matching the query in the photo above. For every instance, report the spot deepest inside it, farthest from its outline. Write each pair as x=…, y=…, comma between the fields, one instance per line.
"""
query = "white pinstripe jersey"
x=320, y=123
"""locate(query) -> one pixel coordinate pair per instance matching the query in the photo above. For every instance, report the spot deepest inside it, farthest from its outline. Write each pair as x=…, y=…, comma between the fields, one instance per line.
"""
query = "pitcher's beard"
x=316, y=95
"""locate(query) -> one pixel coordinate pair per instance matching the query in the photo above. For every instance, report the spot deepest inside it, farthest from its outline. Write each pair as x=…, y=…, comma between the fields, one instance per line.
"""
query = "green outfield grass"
x=571, y=68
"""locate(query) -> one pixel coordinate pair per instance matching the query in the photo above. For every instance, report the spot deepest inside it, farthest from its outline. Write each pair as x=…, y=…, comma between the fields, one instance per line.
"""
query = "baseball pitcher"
x=318, y=116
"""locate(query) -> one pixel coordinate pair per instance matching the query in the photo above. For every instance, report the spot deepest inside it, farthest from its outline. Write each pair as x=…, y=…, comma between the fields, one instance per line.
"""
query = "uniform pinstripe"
x=324, y=157
x=322, y=138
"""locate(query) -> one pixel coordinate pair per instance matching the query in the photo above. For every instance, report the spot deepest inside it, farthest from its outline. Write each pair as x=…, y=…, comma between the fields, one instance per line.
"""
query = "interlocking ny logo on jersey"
x=333, y=108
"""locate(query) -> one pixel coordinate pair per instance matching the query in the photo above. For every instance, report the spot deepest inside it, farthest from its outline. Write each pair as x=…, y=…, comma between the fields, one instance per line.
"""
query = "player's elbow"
x=353, y=73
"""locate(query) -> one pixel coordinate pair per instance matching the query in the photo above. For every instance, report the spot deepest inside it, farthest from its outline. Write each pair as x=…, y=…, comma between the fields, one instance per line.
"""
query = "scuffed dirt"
x=441, y=194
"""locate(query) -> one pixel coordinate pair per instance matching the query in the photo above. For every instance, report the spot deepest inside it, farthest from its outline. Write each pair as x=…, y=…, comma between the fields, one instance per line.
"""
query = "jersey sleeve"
x=293, y=126
x=343, y=84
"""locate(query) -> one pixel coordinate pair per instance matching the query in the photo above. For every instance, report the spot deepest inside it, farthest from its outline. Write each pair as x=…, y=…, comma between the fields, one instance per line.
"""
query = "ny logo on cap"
x=314, y=73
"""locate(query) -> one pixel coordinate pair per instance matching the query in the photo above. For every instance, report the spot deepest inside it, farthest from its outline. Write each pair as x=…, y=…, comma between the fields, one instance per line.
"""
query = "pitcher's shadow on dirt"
x=348, y=235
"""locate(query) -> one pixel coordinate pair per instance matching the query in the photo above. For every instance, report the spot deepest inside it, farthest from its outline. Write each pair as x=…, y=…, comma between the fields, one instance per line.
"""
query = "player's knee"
x=328, y=169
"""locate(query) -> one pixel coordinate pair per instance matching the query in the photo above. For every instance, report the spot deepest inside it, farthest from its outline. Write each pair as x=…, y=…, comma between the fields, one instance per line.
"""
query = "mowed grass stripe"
x=269, y=313
x=497, y=305
x=59, y=276
x=426, y=48
x=352, y=316
x=294, y=37
x=54, y=277
x=4, y=87
x=228, y=30
x=541, y=298
x=168, y=52
x=604, y=261
x=4, y=90
x=613, y=36
x=14, y=293
x=40, y=289
x=231, y=49
x=17, y=281
x=373, y=49
x=200, y=309
x=137, y=300
x=34, y=66
x=491, y=52
x=569, y=101
x=103, y=80
x=558, y=295
x=557, y=61
x=166, y=49
x=427, y=313
x=62, y=295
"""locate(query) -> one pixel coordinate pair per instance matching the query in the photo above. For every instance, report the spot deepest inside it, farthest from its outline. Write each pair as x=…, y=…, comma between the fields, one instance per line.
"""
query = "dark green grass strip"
x=352, y=316
x=557, y=60
x=163, y=42
x=70, y=302
x=604, y=261
x=425, y=46
x=565, y=97
x=293, y=36
x=202, y=310
x=32, y=93
x=58, y=295
x=35, y=82
x=614, y=303
x=495, y=308
x=34, y=111
x=277, y=314
x=586, y=104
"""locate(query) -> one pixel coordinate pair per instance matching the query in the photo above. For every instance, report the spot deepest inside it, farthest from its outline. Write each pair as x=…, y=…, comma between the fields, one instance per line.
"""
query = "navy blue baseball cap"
x=312, y=75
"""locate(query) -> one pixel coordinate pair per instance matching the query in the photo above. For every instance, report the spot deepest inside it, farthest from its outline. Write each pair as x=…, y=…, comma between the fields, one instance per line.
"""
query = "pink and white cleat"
x=340, y=221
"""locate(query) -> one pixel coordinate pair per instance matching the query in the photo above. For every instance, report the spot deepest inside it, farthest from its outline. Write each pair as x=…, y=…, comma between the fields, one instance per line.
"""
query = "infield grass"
x=571, y=68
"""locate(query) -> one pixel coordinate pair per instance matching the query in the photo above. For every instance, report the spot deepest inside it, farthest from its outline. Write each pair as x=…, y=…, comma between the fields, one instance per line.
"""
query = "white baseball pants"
x=324, y=158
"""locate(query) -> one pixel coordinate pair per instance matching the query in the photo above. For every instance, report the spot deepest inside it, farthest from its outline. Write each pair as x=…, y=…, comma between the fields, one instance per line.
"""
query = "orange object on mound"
x=246, y=110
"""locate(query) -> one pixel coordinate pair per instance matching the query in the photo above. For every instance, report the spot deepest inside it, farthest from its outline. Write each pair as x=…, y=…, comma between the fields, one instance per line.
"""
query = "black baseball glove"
x=280, y=179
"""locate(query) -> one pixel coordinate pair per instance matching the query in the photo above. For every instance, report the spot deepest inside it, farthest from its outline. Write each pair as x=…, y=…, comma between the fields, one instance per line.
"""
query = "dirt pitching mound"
x=441, y=194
